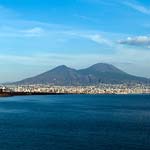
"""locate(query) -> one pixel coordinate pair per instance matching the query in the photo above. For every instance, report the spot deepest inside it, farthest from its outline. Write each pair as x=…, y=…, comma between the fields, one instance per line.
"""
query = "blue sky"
x=36, y=35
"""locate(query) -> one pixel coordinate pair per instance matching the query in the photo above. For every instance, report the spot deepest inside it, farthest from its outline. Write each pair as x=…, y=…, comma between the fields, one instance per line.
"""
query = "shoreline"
x=10, y=94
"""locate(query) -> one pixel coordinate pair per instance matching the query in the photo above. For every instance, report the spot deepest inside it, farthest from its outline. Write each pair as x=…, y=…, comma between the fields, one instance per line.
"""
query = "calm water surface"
x=75, y=122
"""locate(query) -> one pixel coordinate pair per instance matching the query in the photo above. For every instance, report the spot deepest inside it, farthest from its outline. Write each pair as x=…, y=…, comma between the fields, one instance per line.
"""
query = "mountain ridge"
x=98, y=73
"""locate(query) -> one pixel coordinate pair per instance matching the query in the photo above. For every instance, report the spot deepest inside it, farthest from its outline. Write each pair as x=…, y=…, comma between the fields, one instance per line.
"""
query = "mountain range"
x=93, y=75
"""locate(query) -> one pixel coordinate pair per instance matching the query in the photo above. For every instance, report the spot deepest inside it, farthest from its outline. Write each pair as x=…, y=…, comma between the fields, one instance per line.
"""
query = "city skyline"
x=36, y=36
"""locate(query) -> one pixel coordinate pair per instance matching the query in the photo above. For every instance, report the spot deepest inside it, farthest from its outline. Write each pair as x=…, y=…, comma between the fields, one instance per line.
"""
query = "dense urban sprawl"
x=100, y=89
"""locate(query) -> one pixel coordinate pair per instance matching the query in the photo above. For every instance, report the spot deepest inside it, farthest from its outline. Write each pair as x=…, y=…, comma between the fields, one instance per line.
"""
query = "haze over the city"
x=36, y=36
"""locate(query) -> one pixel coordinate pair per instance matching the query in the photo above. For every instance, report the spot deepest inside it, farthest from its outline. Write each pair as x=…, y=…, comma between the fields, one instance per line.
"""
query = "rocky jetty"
x=5, y=94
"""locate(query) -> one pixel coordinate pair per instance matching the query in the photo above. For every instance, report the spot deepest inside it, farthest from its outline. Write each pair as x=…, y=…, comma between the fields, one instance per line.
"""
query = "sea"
x=75, y=122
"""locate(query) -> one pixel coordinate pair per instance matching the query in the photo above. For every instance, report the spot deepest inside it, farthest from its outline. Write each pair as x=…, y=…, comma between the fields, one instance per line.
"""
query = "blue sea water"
x=75, y=122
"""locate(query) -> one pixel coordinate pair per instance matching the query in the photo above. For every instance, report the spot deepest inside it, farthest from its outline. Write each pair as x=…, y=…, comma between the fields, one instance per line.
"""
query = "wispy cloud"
x=100, y=39
x=6, y=13
x=12, y=28
x=47, y=59
x=93, y=36
x=84, y=17
x=6, y=31
x=101, y=2
x=138, y=7
x=36, y=31
x=76, y=60
x=50, y=60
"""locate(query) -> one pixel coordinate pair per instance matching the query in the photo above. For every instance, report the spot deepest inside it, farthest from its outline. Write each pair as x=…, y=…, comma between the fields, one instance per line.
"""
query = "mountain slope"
x=61, y=75
x=106, y=73
x=93, y=75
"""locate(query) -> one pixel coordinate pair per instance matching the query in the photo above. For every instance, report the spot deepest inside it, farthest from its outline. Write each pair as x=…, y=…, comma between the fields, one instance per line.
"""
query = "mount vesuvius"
x=93, y=75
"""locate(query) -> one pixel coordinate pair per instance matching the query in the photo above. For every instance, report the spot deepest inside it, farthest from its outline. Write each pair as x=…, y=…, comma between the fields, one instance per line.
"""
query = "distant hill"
x=93, y=75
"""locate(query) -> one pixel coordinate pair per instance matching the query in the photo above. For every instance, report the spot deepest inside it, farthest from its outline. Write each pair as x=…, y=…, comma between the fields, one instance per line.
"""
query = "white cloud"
x=137, y=41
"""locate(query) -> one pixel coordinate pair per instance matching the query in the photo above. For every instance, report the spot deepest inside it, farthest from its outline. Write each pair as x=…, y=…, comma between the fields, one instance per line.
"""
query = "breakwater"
x=7, y=94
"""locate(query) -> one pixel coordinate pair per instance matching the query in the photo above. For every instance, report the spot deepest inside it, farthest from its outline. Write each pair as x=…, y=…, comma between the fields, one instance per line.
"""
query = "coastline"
x=10, y=94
